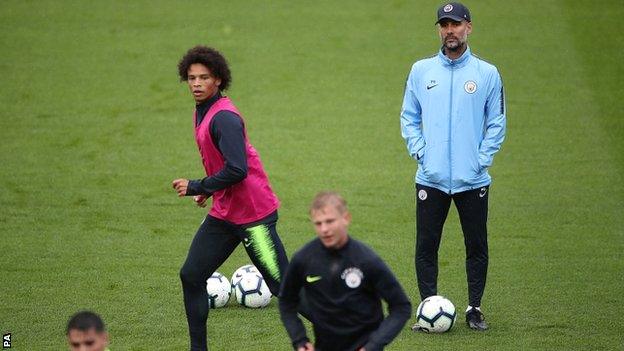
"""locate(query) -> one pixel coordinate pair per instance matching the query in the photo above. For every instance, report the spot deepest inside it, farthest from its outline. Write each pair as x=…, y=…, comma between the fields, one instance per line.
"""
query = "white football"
x=252, y=291
x=436, y=314
x=219, y=290
x=248, y=268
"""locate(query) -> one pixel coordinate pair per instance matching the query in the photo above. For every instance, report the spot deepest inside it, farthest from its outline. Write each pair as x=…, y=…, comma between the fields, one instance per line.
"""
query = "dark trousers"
x=432, y=206
x=213, y=243
x=330, y=341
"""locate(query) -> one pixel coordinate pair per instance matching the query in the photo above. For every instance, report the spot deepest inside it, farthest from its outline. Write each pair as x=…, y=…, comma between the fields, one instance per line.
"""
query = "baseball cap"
x=454, y=11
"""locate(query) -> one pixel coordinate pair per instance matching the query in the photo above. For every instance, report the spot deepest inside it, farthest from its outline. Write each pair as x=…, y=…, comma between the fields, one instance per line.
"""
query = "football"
x=219, y=290
x=252, y=291
x=248, y=268
x=436, y=314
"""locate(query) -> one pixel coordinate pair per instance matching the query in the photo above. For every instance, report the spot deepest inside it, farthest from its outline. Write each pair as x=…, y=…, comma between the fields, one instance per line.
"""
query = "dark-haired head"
x=85, y=320
x=209, y=57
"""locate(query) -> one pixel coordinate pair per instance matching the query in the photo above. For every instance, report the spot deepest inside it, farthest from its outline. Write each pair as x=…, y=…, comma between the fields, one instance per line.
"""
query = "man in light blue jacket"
x=453, y=121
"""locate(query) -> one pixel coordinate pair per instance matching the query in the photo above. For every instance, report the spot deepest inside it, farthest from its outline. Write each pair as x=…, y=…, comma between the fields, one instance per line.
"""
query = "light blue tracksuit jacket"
x=453, y=121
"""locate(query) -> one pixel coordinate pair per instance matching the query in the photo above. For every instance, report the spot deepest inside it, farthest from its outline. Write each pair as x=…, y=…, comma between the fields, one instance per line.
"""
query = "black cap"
x=454, y=11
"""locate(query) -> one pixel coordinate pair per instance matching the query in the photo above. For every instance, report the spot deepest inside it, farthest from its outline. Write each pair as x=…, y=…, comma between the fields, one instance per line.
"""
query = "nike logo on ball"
x=313, y=278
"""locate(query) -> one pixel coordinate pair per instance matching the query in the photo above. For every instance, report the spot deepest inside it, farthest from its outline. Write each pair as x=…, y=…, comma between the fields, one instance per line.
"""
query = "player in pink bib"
x=244, y=208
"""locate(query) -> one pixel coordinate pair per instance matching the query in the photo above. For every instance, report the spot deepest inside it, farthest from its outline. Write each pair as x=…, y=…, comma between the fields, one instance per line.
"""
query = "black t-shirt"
x=343, y=291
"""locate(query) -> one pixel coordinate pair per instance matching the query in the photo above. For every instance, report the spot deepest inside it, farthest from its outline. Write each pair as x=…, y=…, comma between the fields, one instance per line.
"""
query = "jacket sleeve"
x=411, y=119
x=289, y=303
x=399, y=306
x=495, y=122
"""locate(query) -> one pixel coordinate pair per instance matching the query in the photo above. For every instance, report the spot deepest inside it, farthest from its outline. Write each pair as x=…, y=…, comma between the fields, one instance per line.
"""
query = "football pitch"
x=94, y=125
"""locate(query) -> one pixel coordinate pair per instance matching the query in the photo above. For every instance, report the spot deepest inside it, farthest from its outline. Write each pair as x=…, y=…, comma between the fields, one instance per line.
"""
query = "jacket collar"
x=459, y=62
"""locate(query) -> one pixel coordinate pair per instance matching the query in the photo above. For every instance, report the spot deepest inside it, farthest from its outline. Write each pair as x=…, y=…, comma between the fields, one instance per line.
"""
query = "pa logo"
x=448, y=8
x=6, y=341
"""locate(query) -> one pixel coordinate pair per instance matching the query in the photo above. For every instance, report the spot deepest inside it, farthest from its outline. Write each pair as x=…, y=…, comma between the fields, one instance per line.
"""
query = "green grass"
x=94, y=125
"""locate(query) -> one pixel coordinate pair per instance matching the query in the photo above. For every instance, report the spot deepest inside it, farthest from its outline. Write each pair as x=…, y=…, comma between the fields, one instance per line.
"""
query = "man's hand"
x=307, y=347
x=200, y=200
x=180, y=186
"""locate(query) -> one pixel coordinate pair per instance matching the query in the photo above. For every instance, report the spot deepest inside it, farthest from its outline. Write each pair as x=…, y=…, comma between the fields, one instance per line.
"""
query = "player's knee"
x=188, y=275
x=425, y=256
x=479, y=252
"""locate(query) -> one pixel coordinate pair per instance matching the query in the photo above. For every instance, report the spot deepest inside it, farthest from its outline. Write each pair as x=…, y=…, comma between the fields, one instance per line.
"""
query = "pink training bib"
x=247, y=201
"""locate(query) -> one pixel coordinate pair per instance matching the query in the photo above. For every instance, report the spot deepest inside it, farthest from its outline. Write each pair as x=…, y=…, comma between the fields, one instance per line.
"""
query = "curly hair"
x=210, y=58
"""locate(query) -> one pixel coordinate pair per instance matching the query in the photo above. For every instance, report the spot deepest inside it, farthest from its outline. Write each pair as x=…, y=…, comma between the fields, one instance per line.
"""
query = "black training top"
x=343, y=292
x=228, y=135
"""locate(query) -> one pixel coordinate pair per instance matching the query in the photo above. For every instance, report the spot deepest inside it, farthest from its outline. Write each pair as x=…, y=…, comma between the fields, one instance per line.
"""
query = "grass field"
x=95, y=124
